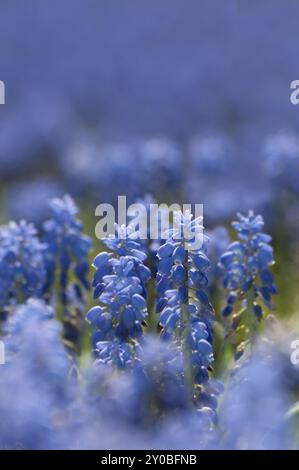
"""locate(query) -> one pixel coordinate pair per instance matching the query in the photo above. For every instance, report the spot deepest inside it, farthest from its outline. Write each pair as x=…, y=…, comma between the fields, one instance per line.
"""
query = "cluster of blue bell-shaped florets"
x=246, y=263
x=67, y=248
x=186, y=314
x=120, y=286
x=22, y=268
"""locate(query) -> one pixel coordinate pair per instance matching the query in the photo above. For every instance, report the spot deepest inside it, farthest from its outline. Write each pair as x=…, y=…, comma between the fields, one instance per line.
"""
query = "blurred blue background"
x=90, y=84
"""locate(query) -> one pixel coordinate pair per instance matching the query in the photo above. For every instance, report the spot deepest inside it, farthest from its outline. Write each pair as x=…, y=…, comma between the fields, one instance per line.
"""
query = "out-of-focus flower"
x=66, y=258
x=218, y=241
x=155, y=167
x=281, y=159
x=161, y=166
x=210, y=155
x=21, y=263
x=67, y=248
x=253, y=413
x=29, y=199
x=149, y=403
x=36, y=366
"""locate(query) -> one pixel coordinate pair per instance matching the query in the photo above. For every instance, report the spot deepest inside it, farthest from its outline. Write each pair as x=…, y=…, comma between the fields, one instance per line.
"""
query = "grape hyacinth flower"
x=246, y=271
x=256, y=402
x=156, y=378
x=120, y=285
x=31, y=325
x=281, y=160
x=22, y=269
x=186, y=314
x=149, y=402
x=160, y=159
x=35, y=387
x=218, y=242
x=29, y=199
x=66, y=258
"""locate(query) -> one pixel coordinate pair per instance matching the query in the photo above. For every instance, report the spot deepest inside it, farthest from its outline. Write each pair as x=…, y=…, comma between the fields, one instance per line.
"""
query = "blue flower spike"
x=22, y=268
x=120, y=286
x=247, y=276
x=186, y=315
x=66, y=257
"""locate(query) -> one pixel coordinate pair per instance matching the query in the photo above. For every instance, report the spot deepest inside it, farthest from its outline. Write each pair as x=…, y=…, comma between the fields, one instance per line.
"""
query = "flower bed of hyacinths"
x=133, y=353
